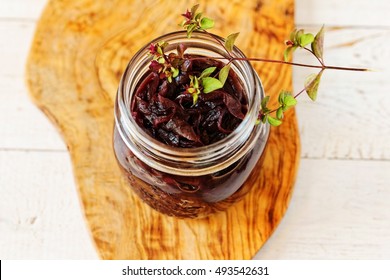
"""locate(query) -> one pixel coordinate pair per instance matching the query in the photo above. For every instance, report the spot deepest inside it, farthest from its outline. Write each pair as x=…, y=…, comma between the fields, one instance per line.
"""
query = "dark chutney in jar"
x=166, y=114
x=186, y=196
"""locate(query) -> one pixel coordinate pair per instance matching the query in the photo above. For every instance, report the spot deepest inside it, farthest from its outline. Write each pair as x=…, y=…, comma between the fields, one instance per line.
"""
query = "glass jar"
x=188, y=182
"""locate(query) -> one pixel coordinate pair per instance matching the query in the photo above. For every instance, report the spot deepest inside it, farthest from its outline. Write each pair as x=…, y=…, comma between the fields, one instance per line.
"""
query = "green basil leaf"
x=298, y=34
x=306, y=39
x=293, y=34
x=175, y=72
x=317, y=46
x=210, y=84
x=207, y=72
x=224, y=73
x=312, y=83
x=206, y=23
x=191, y=29
x=194, y=8
x=290, y=49
x=279, y=113
x=274, y=122
x=289, y=101
x=198, y=16
x=229, y=42
x=282, y=94
x=195, y=97
x=264, y=102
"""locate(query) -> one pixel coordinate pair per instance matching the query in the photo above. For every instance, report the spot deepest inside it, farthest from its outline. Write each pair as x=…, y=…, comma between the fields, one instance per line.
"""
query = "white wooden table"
x=340, y=208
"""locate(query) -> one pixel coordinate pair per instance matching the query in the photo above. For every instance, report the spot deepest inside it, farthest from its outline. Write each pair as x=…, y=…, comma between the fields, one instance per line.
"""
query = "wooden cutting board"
x=77, y=57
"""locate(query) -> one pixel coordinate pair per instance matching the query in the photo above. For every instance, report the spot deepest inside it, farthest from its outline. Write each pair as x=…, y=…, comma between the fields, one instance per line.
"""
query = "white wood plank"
x=339, y=210
x=22, y=125
x=15, y=42
x=346, y=13
x=351, y=117
x=40, y=215
x=21, y=9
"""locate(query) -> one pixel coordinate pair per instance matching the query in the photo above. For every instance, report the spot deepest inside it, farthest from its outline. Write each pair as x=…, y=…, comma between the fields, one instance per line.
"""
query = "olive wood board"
x=78, y=54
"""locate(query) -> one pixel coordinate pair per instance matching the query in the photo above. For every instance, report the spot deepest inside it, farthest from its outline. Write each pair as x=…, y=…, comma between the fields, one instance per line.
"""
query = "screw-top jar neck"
x=189, y=161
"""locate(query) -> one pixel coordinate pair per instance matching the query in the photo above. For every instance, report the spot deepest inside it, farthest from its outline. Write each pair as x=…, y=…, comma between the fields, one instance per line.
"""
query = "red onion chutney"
x=168, y=114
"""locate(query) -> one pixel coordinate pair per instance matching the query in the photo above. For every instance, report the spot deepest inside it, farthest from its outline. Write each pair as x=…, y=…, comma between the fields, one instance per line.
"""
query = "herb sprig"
x=168, y=65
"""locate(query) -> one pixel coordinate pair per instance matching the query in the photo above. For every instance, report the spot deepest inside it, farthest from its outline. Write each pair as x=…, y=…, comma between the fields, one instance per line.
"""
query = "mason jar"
x=189, y=182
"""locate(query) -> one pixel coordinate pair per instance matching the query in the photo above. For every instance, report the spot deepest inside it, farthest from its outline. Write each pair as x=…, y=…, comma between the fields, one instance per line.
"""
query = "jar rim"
x=197, y=160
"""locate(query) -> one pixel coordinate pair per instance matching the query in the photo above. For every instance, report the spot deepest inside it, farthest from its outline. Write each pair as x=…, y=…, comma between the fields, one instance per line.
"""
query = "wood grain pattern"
x=78, y=54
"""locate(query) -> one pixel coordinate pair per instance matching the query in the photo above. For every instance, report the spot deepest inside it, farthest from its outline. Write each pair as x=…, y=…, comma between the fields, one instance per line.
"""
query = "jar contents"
x=167, y=111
